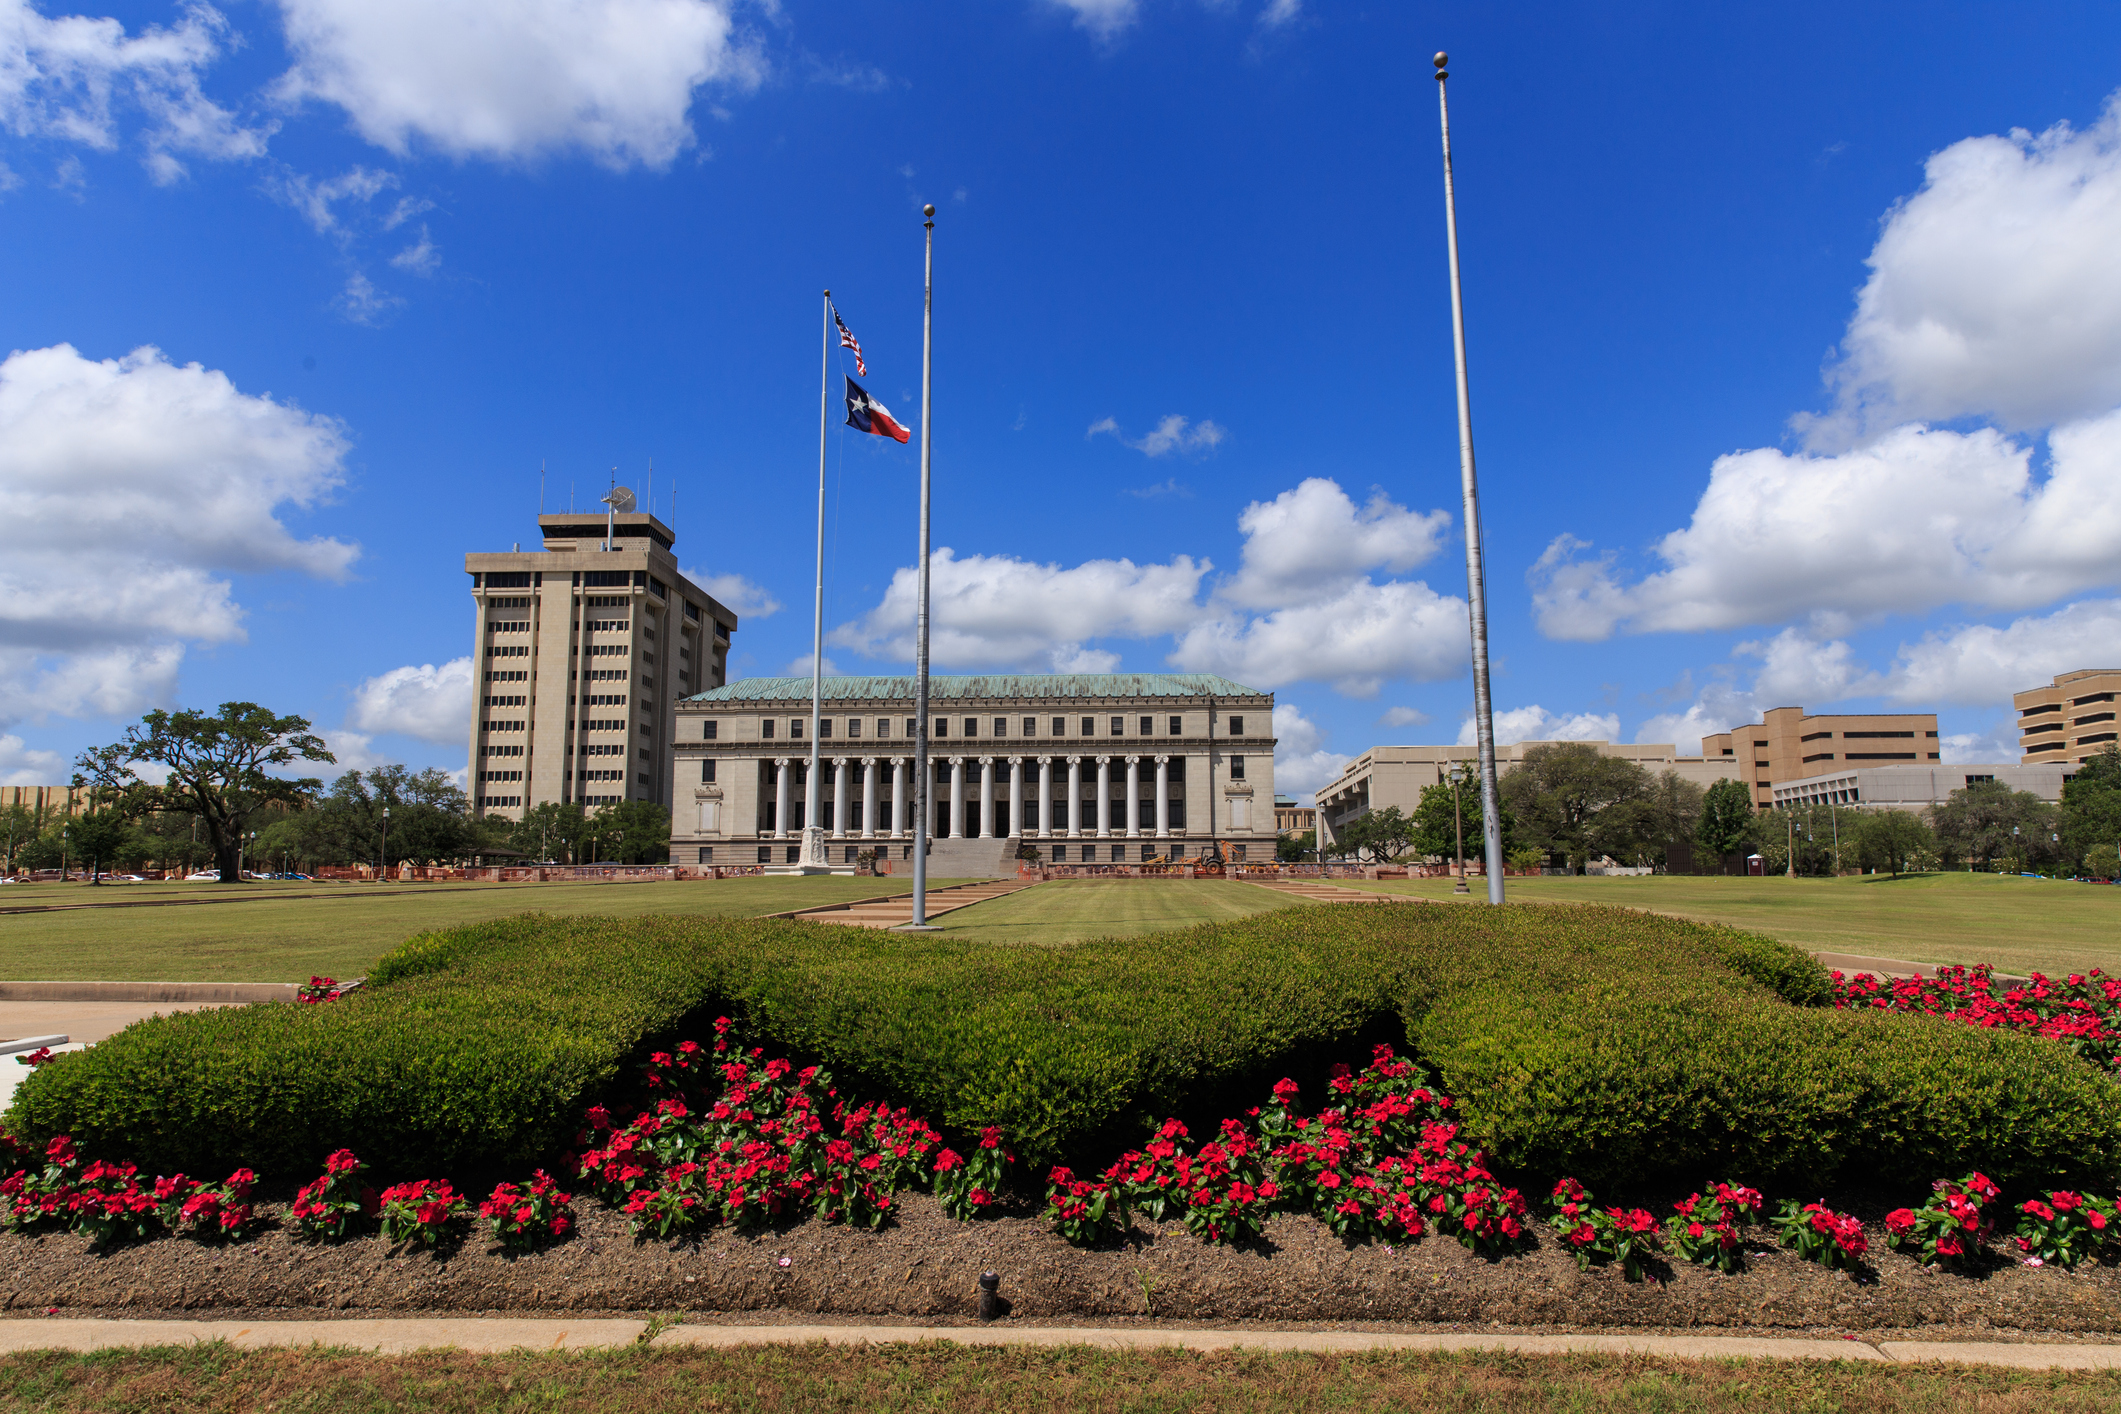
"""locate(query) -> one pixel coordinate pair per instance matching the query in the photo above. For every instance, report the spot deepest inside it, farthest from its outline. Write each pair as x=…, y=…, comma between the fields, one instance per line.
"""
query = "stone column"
x=986, y=797
x=898, y=797
x=868, y=797
x=1104, y=797
x=839, y=799
x=1075, y=797
x=1045, y=797
x=1163, y=797
x=957, y=797
x=780, y=798
x=1016, y=797
x=1134, y=792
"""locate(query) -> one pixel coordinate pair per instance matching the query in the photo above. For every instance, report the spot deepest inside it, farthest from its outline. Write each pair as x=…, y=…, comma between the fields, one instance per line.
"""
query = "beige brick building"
x=1789, y=745
x=2071, y=719
x=1090, y=767
x=579, y=651
x=1385, y=776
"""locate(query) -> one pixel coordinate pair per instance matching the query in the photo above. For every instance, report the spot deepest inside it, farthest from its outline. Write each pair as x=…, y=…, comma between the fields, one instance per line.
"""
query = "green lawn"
x=1070, y=910
x=2016, y=924
x=341, y=932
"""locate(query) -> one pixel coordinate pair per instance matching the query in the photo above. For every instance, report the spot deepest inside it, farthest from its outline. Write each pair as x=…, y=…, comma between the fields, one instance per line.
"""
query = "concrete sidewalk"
x=494, y=1335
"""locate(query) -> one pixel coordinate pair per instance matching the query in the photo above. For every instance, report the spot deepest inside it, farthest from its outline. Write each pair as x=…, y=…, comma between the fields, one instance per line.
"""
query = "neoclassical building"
x=1089, y=767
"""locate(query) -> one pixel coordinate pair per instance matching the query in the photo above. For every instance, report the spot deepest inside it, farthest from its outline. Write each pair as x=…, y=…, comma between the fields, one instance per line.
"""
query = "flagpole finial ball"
x=928, y=210
x=1441, y=59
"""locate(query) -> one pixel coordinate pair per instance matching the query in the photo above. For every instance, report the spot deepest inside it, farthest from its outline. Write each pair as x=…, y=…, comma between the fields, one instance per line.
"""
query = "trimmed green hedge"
x=1614, y=1045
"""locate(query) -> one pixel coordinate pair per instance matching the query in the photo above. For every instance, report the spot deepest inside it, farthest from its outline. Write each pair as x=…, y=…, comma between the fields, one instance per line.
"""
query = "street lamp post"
x=1458, y=822
x=383, y=851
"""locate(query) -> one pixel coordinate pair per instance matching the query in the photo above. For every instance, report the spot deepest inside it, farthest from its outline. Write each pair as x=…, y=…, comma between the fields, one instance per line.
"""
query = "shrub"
x=1704, y=1230
x=2075, y=1010
x=526, y=1215
x=328, y=1209
x=1817, y=1233
x=2065, y=1228
x=1952, y=1228
x=423, y=1211
x=1593, y=1041
x=1599, y=1235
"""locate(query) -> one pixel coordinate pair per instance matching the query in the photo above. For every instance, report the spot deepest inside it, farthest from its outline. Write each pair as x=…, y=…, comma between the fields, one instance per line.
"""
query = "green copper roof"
x=1087, y=686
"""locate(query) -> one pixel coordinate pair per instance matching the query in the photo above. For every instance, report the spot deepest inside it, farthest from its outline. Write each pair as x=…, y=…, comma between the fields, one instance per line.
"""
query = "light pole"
x=1458, y=821
x=383, y=852
x=923, y=774
x=1476, y=576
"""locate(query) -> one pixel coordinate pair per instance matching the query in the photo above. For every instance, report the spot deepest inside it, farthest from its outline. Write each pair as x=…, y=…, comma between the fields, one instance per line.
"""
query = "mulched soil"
x=924, y=1268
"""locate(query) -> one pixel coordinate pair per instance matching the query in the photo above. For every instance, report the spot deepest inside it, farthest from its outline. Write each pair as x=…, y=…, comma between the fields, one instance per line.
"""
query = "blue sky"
x=1796, y=341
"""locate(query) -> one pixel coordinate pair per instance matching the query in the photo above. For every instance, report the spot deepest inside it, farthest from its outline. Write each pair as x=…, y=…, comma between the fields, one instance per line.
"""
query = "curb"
x=496, y=1335
x=147, y=991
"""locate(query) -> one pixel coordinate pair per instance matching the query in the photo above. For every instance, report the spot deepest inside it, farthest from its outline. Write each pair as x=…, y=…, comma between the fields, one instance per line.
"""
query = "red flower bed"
x=2079, y=1010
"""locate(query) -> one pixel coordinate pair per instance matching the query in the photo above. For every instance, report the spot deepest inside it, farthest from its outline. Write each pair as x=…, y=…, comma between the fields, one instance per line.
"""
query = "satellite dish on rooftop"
x=620, y=500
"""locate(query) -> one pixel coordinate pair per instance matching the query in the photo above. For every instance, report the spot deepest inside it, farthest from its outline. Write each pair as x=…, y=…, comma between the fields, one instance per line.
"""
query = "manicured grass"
x=933, y=1376
x=2017, y=925
x=340, y=933
x=1071, y=910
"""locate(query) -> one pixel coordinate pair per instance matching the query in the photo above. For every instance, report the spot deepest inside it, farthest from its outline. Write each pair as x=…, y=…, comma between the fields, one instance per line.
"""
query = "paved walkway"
x=395, y=1337
x=1319, y=891
x=898, y=910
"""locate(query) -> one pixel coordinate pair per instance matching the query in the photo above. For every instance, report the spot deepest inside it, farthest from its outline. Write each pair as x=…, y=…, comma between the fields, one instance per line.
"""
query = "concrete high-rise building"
x=2071, y=719
x=579, y=651
x=1787, y=745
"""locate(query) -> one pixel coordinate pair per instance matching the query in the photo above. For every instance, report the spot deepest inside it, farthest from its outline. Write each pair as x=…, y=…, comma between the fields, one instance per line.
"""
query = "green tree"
x=1726, y=818
x=549, y=831
x=1439, y=813
x=631, y=832
x=218, y=767
x=1560, y=789
x=1294, y=849
x=1893, y=840
x=18, y=827
x=1991, y=824
x=115, y=798
x=2091, y=805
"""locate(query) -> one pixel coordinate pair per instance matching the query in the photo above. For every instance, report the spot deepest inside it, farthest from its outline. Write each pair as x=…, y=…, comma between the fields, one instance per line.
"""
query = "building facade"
x=1788, y=745
x=1091, y=768
x=45, y=802
x=1916, y=787
x=579, y=652
x=1385, y=776
x=2071, y=719
x=1291, y=818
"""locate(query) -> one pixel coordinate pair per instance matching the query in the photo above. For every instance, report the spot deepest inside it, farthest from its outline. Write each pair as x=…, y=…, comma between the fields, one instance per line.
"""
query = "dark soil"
x=925, y=1268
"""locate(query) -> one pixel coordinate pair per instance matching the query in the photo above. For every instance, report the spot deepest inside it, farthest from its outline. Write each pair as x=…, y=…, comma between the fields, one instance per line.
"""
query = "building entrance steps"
x=896, y=912
x=1318, y=891
x=966, y=859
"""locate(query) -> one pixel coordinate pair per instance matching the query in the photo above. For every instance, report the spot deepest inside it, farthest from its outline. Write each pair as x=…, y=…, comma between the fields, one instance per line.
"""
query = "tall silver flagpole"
x=813, y=843
x=923, y=820
x=1476, y=579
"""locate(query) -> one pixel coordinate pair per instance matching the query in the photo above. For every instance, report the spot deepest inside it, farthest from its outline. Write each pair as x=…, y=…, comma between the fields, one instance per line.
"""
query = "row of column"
x=900, y=826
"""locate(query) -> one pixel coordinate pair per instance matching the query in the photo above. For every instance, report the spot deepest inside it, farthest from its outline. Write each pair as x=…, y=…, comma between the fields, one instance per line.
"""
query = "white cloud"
x=421, y=258
x=69, y=78
x=1104, y=19
x=513, y=80
x=800, y=665
x=1996, y=746
x=130, y=487
x=1403, y=717
x=1536, y=723
x=20, y=765
x=1366, y=634
x=363, y=303
x=351, y=751
x=1173, y=434
x=1170, y=487
x=317, y=199
x=1979, y=665
x=1000, y=611
x=1280, y=12
x=1301, y=762
x=426, y=701
x=1914, y=520
x=738, y=594
x=1310, y=542
x=1994, y=290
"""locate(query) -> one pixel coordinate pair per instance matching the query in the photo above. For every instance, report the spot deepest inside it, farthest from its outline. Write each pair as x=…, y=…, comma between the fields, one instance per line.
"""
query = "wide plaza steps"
x=965, y=859
x=897, y=911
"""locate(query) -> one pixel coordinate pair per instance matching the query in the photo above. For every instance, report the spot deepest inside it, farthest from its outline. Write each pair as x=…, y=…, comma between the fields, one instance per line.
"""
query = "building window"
x=795, y=728
x=707, y=770
x=1822, y=756
x=1237, y=853
x=912, y=727
x=883, y=728
x=1089, y=726
x=1060, y=726
x=854, y=727
x=1148, y=726
x=706, y=854
x=1030, y=726
x=824, y=729
x=1237, y=726
x=1119, y=853
x=1177, y=724
x=1237, y=768
x=1060, y=854
x=795, y=854
x=766, y=729
x=971, y=726
x=710, y=729
x=941, y=725
x=1001, y=725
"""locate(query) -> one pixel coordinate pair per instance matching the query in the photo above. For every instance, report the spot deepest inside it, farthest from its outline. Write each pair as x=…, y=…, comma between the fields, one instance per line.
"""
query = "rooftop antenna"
x=651, y=486
x=541, y=487
x=618, y=502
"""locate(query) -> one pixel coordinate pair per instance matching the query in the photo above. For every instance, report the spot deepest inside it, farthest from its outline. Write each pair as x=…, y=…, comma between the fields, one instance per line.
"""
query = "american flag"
x=848, y=341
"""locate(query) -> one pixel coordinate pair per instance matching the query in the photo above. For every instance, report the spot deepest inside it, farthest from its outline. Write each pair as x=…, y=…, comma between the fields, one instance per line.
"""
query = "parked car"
x=203, y=876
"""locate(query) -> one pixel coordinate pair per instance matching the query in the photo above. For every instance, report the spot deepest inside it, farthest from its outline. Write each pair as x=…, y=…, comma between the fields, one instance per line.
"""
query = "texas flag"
x=866, y=414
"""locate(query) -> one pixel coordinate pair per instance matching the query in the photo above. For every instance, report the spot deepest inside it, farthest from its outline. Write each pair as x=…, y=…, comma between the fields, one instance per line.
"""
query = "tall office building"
x=579, y=651
x=2070, y=720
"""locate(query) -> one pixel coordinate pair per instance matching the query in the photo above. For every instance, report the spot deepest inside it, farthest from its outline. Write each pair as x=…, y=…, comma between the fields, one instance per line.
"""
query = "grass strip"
x=772, y=1379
